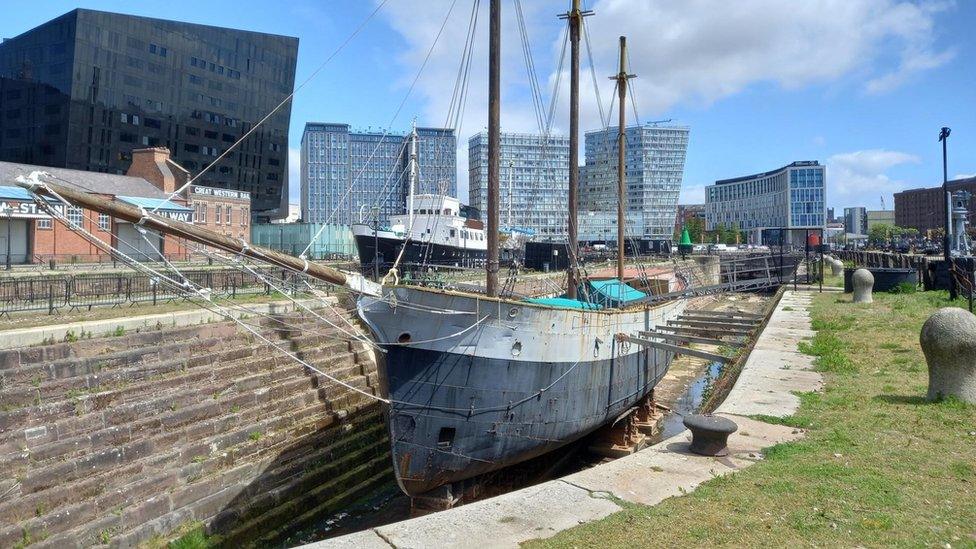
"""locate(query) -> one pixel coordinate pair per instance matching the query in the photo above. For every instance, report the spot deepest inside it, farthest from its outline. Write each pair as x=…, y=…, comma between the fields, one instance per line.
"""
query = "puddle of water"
x=690, y=401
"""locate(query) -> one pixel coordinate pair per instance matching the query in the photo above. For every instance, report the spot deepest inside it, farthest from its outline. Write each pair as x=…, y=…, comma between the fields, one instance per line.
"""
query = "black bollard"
x=709, y=434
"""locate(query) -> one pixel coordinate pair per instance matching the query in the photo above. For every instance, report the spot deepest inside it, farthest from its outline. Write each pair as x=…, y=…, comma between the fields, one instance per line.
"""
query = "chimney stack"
x=154, y=165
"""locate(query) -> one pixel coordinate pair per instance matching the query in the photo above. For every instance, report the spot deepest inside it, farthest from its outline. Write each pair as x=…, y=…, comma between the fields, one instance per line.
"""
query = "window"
x=228, y=215
x=243, y=217
x=192, y=131
x=104, y=222
x=203, y=213
x=217, y=216
x=152, y=123
x=74, y=215
x=44, y=223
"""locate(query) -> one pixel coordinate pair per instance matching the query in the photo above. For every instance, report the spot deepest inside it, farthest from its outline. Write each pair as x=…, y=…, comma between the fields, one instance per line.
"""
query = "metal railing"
x=84, y=291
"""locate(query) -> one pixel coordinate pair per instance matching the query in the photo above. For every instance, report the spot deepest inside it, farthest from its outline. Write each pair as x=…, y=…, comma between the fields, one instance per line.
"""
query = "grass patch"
x=880, y=465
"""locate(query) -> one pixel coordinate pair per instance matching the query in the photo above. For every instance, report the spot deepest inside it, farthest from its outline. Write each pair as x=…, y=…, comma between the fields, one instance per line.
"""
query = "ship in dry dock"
x=479, y=380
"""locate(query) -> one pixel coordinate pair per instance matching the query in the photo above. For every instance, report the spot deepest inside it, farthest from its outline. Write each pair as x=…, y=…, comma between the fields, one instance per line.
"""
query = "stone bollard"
x=863, y=283
x=948, y=339
x=836, y=267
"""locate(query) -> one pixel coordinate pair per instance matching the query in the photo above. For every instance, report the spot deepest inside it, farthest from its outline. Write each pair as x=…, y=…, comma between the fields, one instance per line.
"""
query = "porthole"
x=517, y=348
x=513, y=312
x=404, y=338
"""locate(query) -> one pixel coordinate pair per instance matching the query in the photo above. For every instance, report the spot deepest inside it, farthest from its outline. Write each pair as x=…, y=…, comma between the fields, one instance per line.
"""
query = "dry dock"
x=772, y=372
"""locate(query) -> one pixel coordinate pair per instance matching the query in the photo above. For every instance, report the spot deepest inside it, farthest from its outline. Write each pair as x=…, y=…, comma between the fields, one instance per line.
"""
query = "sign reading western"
x=222, y=193
x=19, y=209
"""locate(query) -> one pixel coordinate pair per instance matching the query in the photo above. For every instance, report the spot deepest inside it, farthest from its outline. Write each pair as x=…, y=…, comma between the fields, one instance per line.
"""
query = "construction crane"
x=882, y=203
x=665, y=121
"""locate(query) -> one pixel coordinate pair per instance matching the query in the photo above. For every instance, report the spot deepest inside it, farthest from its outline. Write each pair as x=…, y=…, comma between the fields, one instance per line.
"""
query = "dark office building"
x=83, y=90
x=924, y=209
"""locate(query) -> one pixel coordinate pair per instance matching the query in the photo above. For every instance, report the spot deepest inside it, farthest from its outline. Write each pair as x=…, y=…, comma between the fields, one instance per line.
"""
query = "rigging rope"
x=288, y=98
x=387, y=130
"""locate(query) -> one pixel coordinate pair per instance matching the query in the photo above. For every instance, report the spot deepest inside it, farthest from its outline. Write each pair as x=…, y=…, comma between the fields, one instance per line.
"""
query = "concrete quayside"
x=144, y=425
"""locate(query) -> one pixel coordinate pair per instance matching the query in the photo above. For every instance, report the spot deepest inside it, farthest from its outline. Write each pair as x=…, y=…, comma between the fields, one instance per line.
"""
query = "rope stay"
x=284, y=101
x=386, y=131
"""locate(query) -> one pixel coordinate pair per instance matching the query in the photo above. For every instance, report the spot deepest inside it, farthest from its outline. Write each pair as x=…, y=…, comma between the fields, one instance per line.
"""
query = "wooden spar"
x=747, y=323
x=674, y=348
x=687, y=338
x=494, y=143
x=575, y=20
x=132, y=214
x=621, y=152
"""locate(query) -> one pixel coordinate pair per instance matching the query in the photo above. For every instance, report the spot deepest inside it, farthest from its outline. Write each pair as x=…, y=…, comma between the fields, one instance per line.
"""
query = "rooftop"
x=93, y=182
x=797, y=164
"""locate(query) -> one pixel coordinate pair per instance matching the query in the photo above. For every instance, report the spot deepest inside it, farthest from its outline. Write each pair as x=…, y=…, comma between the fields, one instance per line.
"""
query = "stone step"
x=206, y=436
x=86, y=348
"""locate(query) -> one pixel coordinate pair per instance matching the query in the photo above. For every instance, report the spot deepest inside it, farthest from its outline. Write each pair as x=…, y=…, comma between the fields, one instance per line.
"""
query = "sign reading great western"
x=221, y=193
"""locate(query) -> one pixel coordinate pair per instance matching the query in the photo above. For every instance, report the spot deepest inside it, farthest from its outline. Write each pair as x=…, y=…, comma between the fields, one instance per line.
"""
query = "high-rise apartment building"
x=791, y=197
x=345, y=173
x=856, y=220
x=655, y=163
x=534, y=185
x=83, y=90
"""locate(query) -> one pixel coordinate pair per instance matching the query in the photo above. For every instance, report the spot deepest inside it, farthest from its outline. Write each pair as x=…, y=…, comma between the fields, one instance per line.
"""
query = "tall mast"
x=575, y=17
x=621, y=78
x=494, y=142
x=511, y=169
x=412, y=177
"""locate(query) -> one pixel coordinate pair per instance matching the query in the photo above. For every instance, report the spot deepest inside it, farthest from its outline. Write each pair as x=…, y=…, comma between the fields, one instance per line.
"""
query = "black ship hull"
x=416, y=253
x=477, y=384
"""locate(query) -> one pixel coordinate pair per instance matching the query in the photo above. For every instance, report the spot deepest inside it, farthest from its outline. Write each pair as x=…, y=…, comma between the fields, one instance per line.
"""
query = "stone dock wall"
x=117, y=440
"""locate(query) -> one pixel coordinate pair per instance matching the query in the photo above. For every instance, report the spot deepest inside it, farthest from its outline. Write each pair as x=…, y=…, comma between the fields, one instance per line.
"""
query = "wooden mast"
x=494, y=144
x=621, y=154
x=575, y=17
x=132, y=214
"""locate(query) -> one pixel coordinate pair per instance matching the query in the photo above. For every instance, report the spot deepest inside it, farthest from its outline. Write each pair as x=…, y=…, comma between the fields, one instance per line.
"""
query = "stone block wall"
x=117, y=440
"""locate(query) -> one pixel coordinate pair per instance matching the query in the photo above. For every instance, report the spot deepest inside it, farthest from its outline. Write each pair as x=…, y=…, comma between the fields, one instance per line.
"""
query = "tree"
x=696, y=229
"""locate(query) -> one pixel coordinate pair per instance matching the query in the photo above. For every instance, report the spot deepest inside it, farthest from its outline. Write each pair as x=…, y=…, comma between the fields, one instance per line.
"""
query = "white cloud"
x=294, y=176
x=964, y=175
x=861, y=175
x=690, y=52
x=692, y=194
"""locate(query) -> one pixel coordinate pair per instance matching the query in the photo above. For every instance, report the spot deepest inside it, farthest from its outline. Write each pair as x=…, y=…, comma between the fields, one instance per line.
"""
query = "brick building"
x=924, y=209
x=29, y=235
x=687, y=212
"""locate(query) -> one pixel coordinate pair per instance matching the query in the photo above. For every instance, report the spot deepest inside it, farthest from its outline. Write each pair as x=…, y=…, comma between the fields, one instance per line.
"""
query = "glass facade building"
x=83, y=90
x=655, y=163
x=346, y=173
x=793, y=196
x=534, y=187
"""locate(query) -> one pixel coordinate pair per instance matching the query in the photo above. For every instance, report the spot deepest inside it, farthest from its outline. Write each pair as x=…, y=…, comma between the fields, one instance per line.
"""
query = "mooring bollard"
x=863, y=282
x=710, y=434
x=836, y=267
x=948, y=339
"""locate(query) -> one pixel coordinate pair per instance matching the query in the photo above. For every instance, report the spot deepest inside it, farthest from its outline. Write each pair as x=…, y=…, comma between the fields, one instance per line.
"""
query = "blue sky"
x=862, y=85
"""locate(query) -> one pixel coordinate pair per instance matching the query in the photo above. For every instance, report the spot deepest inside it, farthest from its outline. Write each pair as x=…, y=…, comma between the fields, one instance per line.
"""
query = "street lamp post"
x=10, y=216
x=944, y=138
x=376, y=244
